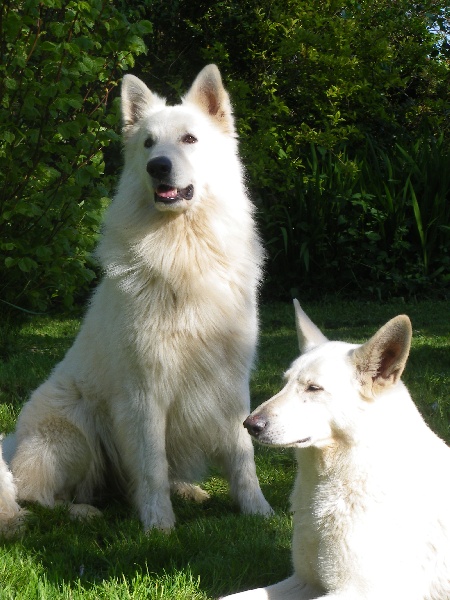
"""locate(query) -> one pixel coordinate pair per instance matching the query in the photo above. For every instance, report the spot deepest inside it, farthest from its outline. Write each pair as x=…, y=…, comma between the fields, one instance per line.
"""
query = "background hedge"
x=343, y=114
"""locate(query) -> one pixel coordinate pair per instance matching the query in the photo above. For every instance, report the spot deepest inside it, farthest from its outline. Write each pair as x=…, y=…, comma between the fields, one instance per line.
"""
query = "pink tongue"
x=166, y=192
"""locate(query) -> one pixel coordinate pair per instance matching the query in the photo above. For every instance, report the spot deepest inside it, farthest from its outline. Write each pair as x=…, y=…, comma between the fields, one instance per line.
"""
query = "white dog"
x=371, y=503
x=155, y=386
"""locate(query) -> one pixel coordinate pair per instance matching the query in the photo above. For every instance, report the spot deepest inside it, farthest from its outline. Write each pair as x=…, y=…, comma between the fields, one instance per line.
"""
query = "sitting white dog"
x=371, y=503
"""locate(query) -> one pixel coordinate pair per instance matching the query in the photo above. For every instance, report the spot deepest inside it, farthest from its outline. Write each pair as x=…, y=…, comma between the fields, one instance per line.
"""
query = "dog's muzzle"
x=160, y=169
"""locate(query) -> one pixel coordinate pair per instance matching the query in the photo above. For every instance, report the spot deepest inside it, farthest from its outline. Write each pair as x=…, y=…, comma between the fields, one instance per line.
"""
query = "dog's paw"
x=164, y=523
x=13, y=525
x=158, y=516
x=190, y=491
x=165, y=526
x=83, y=511
x=257, y=505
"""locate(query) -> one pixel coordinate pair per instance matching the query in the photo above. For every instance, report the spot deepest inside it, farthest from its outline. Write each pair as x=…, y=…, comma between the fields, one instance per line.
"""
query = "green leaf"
x=10, y=83
x=7, y=136
x=26, y=264
x=10, y=262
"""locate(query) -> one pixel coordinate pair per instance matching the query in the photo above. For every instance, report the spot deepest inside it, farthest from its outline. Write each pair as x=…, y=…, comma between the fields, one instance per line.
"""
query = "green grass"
x=214, y=549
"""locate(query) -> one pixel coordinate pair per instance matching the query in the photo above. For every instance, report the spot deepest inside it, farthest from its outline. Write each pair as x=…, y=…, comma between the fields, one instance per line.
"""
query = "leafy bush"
x=342, y=110
x=61, y=62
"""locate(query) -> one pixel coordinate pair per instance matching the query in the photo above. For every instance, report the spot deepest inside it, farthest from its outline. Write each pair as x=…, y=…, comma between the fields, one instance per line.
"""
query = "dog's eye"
x=148, y=143
x=313, y=388
x=188, y=138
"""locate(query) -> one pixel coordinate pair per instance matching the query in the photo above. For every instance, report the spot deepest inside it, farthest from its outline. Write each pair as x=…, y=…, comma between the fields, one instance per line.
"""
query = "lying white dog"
x=371, y=503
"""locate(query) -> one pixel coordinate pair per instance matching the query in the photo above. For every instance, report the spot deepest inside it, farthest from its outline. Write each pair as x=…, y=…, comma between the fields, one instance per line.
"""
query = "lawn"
x=214, y=550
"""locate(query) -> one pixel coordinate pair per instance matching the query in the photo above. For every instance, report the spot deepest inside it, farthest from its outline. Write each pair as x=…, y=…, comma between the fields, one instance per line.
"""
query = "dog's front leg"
x=152, y=498
x=152, y=495
x=143, y=452
x=239, y=464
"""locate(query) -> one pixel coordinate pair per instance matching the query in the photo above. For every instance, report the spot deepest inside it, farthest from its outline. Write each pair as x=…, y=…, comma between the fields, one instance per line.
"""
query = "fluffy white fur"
x=371, y=503
x=11, y=515
x=155, y=386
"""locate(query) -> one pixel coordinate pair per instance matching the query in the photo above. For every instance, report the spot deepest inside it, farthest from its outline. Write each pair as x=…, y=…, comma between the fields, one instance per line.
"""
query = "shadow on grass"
x=211, y=541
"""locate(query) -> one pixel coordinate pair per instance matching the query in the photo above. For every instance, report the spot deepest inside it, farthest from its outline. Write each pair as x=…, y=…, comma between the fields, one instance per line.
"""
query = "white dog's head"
x=178, y=150
x=330, y=385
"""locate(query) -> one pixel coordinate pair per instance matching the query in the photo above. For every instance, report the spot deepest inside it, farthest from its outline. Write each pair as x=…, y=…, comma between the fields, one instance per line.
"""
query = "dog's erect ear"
x=208, y=93
x=381, y=360
x=136, y=99
x=309, y=335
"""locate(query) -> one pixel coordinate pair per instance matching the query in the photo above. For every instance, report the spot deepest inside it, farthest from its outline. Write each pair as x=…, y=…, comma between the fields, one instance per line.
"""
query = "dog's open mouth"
x=169, y=195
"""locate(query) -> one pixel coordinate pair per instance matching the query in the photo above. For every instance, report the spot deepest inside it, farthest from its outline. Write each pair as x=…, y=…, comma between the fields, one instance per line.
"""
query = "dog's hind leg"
x=51, y=460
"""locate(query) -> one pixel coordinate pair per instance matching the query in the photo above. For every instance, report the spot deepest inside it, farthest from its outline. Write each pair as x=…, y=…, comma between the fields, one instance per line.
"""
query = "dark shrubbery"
x=376, y=225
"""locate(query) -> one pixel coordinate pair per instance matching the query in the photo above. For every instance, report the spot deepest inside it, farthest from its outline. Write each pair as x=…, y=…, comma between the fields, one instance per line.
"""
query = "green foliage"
x=378, y=222
x=61, y=62
x=342, y=110
x=412, y=191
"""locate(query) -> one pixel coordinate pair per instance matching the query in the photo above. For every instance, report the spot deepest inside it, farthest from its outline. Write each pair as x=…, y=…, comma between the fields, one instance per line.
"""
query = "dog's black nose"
x=255, y=424
x=159, y=167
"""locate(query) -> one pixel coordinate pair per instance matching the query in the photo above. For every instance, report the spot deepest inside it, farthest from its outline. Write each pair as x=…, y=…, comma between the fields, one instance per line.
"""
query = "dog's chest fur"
x=330, y=501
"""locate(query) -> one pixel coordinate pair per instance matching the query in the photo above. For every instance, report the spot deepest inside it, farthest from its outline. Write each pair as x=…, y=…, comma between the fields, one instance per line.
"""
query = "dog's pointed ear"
x=136, y=99
x=381, y=360
x=208, y=93
x=309, y=335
